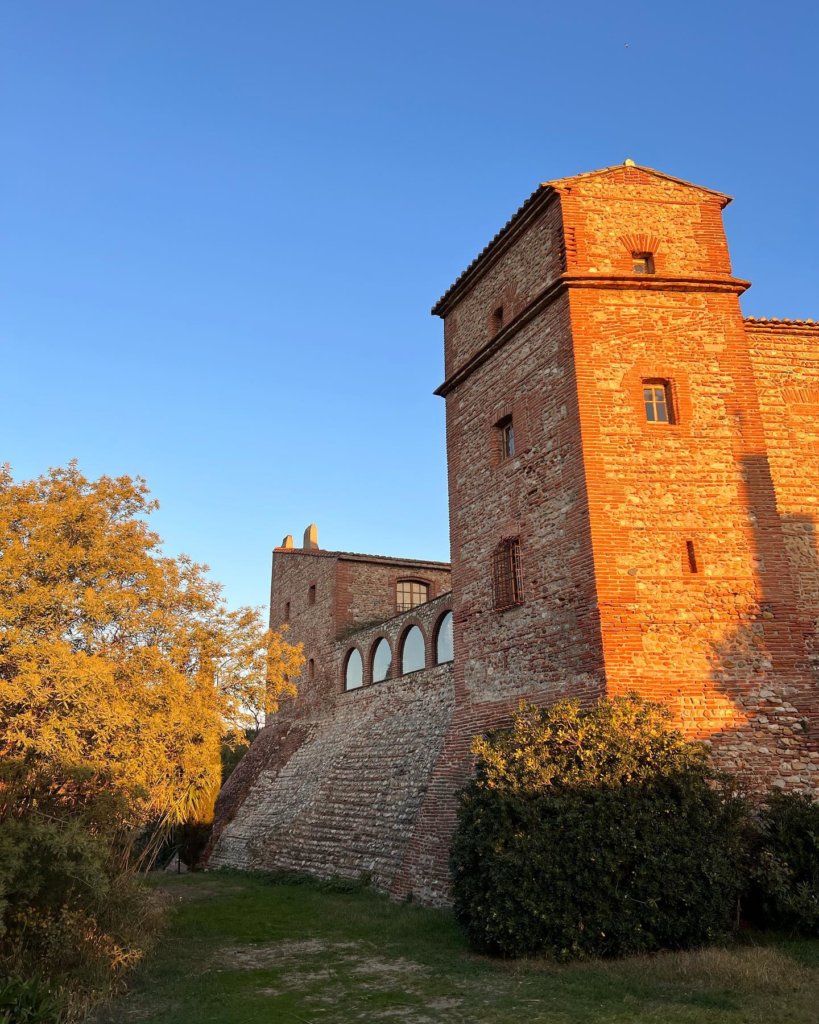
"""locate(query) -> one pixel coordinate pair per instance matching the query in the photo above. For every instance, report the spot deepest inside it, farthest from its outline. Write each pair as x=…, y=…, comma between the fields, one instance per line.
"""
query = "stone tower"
x=623, y=515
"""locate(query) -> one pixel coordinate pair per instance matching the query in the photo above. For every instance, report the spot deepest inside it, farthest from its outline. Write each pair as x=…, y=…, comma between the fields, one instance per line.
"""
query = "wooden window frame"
x=656, y=384
x=402, y=606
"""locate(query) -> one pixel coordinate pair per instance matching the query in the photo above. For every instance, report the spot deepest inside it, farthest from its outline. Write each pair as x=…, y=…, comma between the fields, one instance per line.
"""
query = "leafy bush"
x=27, y=1001
x=595, y=832
x=784, y=889
x=70, y=909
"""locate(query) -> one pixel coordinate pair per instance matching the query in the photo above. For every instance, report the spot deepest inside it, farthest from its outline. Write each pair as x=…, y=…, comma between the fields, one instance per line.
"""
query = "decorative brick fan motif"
x=640, y=243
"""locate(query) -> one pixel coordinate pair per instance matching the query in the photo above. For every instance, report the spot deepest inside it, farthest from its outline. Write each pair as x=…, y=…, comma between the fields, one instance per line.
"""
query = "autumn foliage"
x=121, y=673
x=115, y=658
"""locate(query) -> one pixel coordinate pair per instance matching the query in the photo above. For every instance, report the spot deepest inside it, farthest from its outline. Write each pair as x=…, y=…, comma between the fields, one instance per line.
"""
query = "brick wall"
x=785, y=358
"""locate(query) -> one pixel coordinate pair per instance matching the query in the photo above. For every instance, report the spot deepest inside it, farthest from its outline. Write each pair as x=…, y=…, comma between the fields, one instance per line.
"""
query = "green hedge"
x=595, y=832
x=784, y=872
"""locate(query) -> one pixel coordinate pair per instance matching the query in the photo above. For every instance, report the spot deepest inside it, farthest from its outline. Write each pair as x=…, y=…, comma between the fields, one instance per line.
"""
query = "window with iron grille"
x=410, y=593
x=507, y=574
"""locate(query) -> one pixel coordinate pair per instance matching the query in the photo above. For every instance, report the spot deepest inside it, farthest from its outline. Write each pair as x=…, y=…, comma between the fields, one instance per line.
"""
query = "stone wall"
x=350, y=591
x=334, y=786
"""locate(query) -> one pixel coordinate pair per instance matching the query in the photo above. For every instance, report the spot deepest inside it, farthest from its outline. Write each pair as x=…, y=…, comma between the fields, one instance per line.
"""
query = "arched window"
x=382, y=659
x=444, y=645
x=353, y=671
x=413, y=651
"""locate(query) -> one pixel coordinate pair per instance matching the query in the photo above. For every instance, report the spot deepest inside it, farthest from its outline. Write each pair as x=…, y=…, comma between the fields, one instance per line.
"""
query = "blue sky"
x=224, y=224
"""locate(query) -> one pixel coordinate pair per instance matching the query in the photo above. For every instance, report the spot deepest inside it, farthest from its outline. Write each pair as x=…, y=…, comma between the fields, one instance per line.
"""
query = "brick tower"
x=632, y=486
x=622, y=514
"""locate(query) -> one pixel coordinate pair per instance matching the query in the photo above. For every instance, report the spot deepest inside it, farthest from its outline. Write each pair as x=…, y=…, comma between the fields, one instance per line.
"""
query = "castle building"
x=634, y=501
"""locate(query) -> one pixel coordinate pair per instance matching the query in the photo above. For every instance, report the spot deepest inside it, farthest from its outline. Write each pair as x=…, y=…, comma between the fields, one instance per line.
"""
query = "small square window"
x=642, y=263
x=657, y=401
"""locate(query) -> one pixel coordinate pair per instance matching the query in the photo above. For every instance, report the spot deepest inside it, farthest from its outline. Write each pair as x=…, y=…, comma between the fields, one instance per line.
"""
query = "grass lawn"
x=244, y=949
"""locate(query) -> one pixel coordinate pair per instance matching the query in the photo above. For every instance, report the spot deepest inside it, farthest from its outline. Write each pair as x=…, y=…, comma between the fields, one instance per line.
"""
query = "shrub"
x=27, y=1001
x=70, y=910
x=784, y=888
x=595, y=832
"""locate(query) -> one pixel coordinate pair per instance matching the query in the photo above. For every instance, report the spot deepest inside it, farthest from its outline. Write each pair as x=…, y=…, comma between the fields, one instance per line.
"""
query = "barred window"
x=507, y=574
x=410, y=593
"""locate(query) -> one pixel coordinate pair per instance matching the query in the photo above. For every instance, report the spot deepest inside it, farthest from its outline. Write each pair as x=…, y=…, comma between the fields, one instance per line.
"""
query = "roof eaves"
x=355, y=556
x=771, y=321
x=482, y=257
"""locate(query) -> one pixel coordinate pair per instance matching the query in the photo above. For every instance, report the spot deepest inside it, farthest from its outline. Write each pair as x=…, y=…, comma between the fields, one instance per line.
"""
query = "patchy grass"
x=247, y=949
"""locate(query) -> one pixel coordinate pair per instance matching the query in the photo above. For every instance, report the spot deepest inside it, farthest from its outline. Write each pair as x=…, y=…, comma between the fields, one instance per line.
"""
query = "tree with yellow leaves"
x=119, y=665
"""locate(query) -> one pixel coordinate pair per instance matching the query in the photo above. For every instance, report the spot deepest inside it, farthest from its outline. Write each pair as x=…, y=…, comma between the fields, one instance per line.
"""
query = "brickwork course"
x=675, y=556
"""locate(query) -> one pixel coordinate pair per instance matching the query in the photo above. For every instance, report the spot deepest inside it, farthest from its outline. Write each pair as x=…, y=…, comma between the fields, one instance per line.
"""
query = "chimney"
x=311, y=538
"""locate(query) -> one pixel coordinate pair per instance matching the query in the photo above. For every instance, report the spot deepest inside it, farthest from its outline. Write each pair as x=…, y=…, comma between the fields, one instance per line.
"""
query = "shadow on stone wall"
x=766, y=670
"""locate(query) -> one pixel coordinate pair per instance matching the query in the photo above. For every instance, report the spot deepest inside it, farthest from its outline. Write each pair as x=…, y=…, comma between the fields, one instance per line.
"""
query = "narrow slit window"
x=286, y=611
x=506, y=432
x=311, y=594
x=507, y=574
x=657, y=401
x=497, y=318
x=642, y=263
x=691, y=555
x=311, y=669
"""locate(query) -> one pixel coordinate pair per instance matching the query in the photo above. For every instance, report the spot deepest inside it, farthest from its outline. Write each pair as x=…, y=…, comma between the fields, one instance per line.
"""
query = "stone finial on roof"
x=311, y=538
x=288, y=541
x=628, y=162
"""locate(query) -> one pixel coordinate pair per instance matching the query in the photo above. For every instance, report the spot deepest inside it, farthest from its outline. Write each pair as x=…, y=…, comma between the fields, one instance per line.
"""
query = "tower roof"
x=560, y=184
x=541, y=195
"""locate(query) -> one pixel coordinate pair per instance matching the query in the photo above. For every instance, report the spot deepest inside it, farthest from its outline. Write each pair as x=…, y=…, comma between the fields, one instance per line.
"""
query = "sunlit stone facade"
x=634, y=504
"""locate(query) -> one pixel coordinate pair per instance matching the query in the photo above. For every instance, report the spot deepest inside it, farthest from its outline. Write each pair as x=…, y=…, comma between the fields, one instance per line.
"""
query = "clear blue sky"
x=224, y=223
